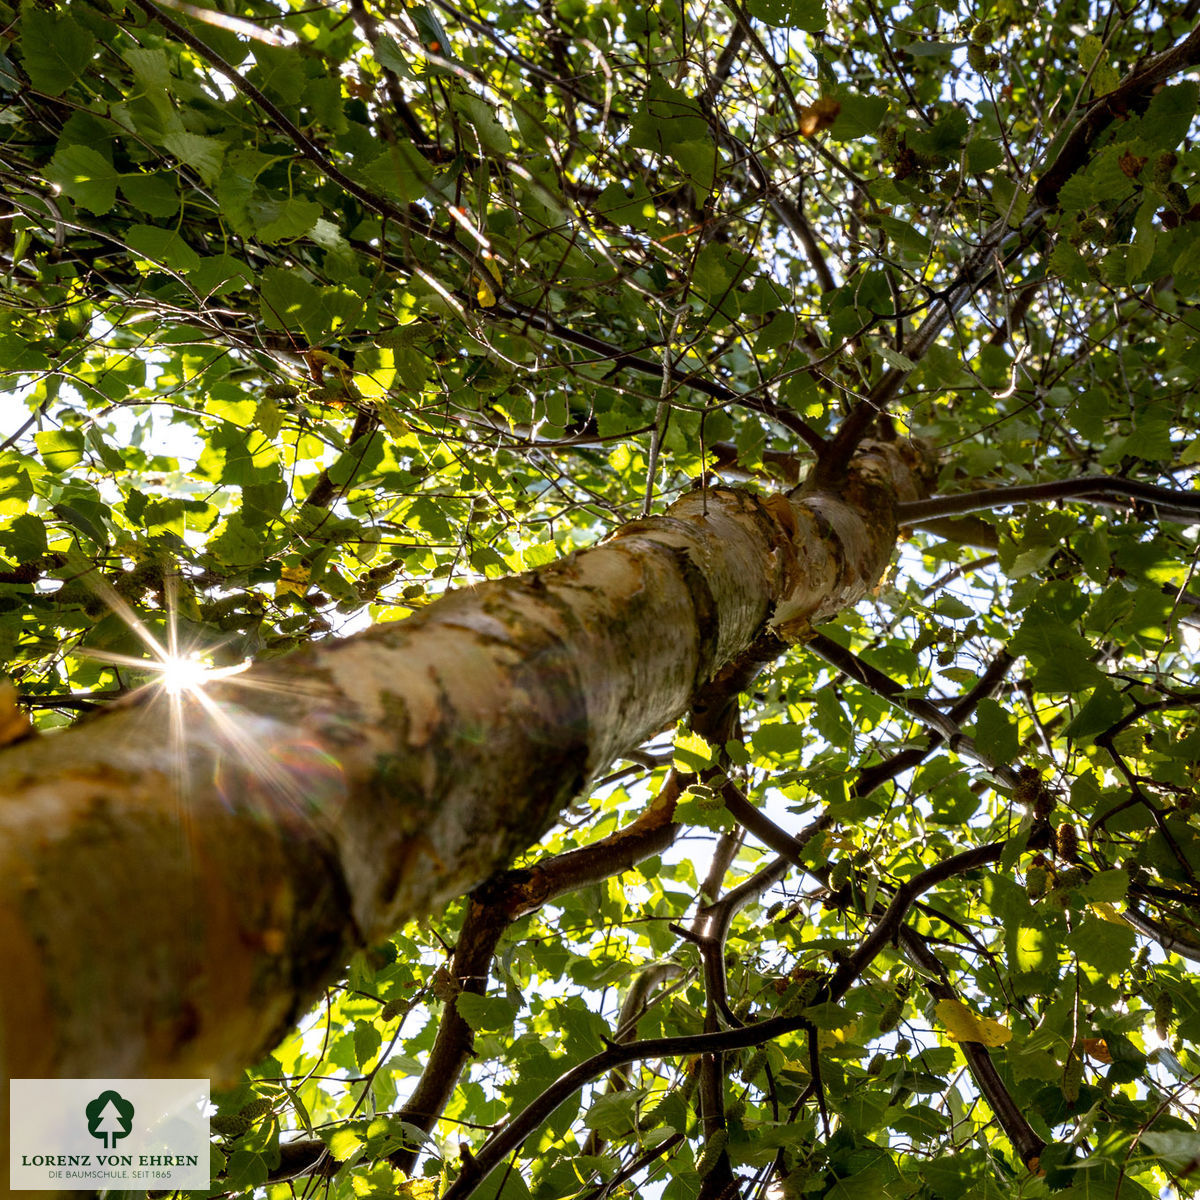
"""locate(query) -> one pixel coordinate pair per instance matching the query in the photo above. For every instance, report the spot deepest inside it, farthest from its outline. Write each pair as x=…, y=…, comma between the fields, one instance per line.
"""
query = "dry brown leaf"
x=819, y=115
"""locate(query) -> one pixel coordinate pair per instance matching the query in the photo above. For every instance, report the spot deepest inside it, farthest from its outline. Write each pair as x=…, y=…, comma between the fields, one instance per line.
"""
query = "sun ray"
x=293, y=775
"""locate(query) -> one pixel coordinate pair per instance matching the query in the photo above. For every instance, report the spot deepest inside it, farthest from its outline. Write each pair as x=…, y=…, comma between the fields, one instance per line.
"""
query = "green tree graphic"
x=110, y=1118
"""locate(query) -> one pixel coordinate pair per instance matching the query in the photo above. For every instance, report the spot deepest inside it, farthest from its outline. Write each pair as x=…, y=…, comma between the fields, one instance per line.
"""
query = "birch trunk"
x=173, y=893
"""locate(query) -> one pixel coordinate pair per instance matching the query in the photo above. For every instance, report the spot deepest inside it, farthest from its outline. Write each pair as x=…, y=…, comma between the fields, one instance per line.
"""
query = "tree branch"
x=887, y=927
x=1132, y=94
x=939, y=722
x=1002, y=241
x=654, y=370
x=878, y=774
x=1110, y=490
x=1026, y=1143
x=510, y=1138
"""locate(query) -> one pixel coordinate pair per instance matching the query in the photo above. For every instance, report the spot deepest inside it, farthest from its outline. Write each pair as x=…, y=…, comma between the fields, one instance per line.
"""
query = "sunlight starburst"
x=180, y=673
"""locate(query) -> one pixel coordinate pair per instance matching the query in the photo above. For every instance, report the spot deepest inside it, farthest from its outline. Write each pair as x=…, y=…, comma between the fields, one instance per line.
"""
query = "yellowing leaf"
x=1109, y=913
x=964, y=1026
x=485, y=293
x=14, y=724
x=692, y=751
x=294, y=580
x=828, y=1038
x=419, y=1189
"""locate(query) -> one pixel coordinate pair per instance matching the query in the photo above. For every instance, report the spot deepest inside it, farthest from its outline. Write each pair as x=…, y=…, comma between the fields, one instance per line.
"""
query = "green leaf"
x=1061, y=656
x=367, y=1040
x=389, y=54
x=1103, y=945
x=344, y=1143
x=279, y=71
x=25, y=537
x=151, y=192
x=947, y=135
x=220, y=274
x=860, y=115
x=781, y=739
x=795, y=14
x=288, y=300
x=1170, y=114
x=493, y=137
x=86, y=516
x=894, y=358
x=55, y=49
x=1176, y=1147
x=281, y=219
x=692, y=752
x=698, y=161
x=1107, y=887
x=399, y=171
x=163, y=246
x=995, y=735
x=483, y=1013
x=983, y=154
x=666, y=118
x=1104, y=707
x=613, y=1114
x=86, y=176
x=205, y=155
x=151, y=68
x=60, y=448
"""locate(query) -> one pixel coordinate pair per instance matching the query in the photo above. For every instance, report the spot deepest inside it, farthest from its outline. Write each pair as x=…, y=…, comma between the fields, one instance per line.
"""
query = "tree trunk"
x=174, y=892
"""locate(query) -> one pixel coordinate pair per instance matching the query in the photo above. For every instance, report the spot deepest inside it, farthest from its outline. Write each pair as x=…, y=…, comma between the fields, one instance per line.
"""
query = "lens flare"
x=181, y=673
x=276, y=776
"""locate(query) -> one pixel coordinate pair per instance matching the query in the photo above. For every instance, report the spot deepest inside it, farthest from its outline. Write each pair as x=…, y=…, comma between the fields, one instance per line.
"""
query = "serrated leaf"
x=1178, y=1148
x=344, y=1143
x=55, y=49
x=220, y=274
x=781, y=738
x=367, y=1040
x=483, y=1013
x=293, y=581
x=1102, y=944
x=278, y=219
x=692, y=752
x=995, y=735
x=612, y=1114
x=493, y=137
x=86, y=176
x=1103, y=708
x=860, y=115
x=667, y=117
x=1108, y=887
x=151, y=192
x=164, y=246
x=205, y=155
x=399, y=171
x=1060, y=654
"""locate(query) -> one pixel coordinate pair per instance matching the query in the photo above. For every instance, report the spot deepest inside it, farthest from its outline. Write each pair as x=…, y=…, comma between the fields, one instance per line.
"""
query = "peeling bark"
x=173, y=894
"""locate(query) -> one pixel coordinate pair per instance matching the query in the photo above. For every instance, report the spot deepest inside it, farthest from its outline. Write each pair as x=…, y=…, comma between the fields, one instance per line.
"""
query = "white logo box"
x=93, y=1134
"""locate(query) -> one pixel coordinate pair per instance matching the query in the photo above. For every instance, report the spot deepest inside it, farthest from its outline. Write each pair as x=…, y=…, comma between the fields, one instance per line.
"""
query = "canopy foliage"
x=315, y=310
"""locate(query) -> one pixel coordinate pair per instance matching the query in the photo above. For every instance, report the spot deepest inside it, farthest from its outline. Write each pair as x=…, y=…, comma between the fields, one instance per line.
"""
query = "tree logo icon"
x=109, y=1117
